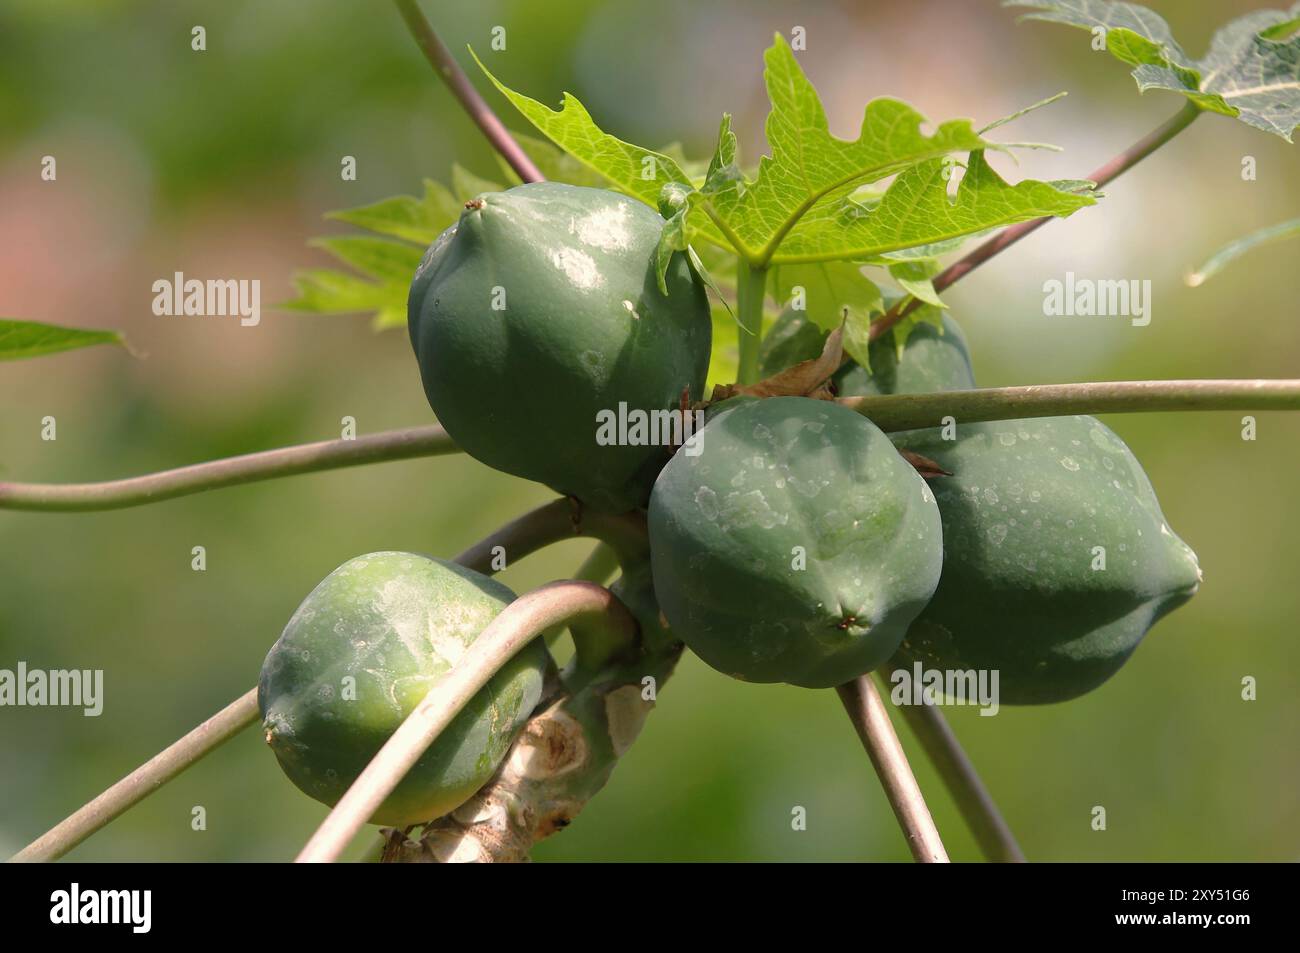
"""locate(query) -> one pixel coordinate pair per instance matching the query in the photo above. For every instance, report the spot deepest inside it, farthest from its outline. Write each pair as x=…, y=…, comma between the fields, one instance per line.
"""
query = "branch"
x=963, y=782
x=551, y=523
x=143, y=781
x=867, y=712
x=554, y=522
x=582, y=605
x=1009, y=236
x=449, y=71
x=914, y=411
x=431, y=441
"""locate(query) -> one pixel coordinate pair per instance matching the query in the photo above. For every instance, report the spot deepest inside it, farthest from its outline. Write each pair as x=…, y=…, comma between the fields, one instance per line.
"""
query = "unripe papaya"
x=537, y=316
x=796, y=546
x=932, y=360
x=1057, y=558
x=361, y=652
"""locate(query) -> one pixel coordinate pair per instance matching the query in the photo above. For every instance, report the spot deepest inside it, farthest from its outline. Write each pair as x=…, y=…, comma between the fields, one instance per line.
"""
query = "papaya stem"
x=449, y=71
x=867, y=711
x=143, y=781
x=895, y=412
x=581, y=604
x=431, y=441
x=751, y=283
x=558, y=520
x=973, y=799
x=1013, y=233
x=890, y=412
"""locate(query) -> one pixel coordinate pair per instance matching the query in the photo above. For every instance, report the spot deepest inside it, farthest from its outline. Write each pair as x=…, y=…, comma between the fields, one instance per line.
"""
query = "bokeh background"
x=223, y=162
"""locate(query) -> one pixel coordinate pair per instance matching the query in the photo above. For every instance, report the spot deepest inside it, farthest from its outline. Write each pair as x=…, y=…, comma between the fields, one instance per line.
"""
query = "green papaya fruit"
x=795, y=546
x=537, y=316
x=933, y=359
x=361, y=652
x=1023, y=589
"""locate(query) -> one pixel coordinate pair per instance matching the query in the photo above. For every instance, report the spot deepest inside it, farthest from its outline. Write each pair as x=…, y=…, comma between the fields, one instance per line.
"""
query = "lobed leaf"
x=916, y=210
x=835, y=293
x=641, y=173
x=418, y=220
x=1252, y=69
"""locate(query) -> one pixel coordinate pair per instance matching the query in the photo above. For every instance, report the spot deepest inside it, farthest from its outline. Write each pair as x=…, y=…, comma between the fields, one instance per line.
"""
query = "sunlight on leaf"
x=1252, y=70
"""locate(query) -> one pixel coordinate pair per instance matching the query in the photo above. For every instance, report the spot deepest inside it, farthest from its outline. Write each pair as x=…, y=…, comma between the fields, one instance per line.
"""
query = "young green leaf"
x=23, y=339
x=554, y=163
x=916, y=210
x=639, y=172
x=378, y=258
x=833, y=293
x=1252, y=70
x=1234, y=250
x=810, y=167
x=914, y=277
x=403, y=216
x=325, y=291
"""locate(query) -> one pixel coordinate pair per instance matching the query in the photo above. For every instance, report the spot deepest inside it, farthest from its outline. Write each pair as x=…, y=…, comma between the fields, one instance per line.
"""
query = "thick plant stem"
x=1012, y=234
x=555, y=521
x=867, y=711
x=143, y=781
x=431, y=441
x=578, y=604
x=963, y=782
x=894, y=412
x=751, y=284
x=445, y=65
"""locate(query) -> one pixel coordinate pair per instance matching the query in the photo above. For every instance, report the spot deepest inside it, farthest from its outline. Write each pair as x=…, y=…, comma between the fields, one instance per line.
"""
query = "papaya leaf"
x=553, y=162
x=1234, y=250
x=325, y=291
x=723, y=173
x=378, y=258
x=404, y=216
x=914, y=277
x=24, y=339
x=835, y=293
x=809, y=166
x=1252, y=69
x=916, y=210
x=639, y=172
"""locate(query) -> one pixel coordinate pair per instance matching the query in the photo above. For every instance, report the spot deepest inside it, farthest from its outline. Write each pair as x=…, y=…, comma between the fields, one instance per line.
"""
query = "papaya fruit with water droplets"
x=795, y=546
x=1057, y=557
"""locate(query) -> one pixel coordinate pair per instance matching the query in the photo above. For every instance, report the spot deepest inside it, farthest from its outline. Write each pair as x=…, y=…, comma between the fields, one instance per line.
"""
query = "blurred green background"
x=221, y=164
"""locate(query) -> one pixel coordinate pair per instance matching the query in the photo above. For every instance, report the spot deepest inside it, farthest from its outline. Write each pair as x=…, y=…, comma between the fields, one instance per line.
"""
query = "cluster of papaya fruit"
x=790, y=542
